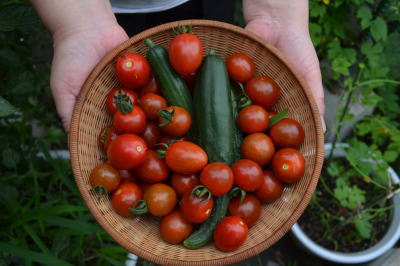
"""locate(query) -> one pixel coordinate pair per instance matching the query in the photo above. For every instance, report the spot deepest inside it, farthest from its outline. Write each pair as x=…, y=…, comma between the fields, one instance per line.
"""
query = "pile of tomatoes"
x=152, y=167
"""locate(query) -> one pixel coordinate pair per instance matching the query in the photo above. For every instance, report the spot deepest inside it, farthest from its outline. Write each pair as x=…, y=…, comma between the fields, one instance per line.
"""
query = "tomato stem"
x=182, y=29
x=100, y=190
x=278, y=117
x=149, y=43
x=199, y=191
x=161, y=153
x=123, y=103
x=244, y=100
x=235, y=191
x=139, y=207
x=166, y=116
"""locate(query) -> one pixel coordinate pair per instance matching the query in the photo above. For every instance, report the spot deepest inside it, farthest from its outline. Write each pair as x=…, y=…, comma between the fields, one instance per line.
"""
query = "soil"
x=329, y=232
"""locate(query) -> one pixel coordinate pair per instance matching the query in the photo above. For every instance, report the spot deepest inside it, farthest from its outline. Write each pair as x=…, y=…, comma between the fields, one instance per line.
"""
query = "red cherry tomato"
x=160, y=199
x=151, y=104
x=153, y=169
x=230, y=233
x=151, y=134
x=263, y=91
x=106, y=176
x=253, y=118
x=151, y=87
x=185, y=53
x=258, y=147
x=174, y=228
x=107, y=135
x=179, y=121
x=185, y=157
x=127, y=175
x=120, y=92
x=195, y=209
x=184, y=183
x=249, y=209
x=125, y=197
x=247, y=174
x=217, y=177
x=127, y=151
x=271, y=189
x=287, y=133
x=132, y=70
x=240, y=67
x=288, y=165
x=133, y=122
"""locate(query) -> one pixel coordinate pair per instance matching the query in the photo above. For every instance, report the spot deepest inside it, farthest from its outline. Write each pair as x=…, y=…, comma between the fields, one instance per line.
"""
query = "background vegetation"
x=43, y=218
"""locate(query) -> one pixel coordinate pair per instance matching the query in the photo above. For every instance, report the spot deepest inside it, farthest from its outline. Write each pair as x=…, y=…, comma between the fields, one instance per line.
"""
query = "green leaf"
x=36, y=238
x=42, y=213
x=22, y=88
x=315, y=32
x=75, y=225
x=10, y=158
x=32, y=255
x=363, y=226
x=6, y=108
x=390, y=156
x=340, y=65
x=317, y=9
x=335, y=169
x=391, y=54
x=349, y=197
x=379, y=29
x=364, y=13
x=278, y=117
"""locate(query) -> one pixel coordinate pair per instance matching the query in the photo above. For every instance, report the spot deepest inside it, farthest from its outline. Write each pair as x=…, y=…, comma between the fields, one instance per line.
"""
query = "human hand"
x=81, y=36
x=284, y=24
x=75, y=55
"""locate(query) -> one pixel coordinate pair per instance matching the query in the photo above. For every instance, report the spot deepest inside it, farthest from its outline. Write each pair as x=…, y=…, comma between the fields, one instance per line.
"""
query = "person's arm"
x=83, y=32
x=284, y=24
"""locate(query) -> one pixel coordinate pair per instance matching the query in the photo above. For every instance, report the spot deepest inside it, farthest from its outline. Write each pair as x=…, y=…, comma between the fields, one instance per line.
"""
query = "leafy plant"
x=43, y=218
x=360, y=60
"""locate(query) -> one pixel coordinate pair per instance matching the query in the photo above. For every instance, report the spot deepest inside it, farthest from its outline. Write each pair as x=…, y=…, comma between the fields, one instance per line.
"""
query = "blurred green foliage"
x=358, y=46
x=43, y=219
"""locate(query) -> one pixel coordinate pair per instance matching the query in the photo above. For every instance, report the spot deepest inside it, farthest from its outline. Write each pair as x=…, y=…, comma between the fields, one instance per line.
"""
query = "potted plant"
x=354, y=215
x=351, y=219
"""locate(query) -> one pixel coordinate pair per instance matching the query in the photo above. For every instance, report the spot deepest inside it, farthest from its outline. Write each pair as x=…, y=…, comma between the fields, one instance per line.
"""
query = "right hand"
x=76, y=53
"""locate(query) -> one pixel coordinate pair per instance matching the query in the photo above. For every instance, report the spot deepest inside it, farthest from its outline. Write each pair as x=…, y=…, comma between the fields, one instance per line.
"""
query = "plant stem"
x=359, y=211
x=339, y=123
x=372, y=81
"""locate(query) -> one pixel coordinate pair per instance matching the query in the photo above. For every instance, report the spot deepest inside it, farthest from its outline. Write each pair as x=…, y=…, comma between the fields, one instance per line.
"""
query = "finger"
x=64, y=100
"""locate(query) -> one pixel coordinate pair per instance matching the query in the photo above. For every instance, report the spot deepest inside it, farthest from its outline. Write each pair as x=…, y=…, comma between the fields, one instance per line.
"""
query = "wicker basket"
x=140, y=235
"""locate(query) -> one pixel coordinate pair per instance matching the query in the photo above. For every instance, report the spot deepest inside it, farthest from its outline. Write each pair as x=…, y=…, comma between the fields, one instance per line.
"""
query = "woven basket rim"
x=74, y=138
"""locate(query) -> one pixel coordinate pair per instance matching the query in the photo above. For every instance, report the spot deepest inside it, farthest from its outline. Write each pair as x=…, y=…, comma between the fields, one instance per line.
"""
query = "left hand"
x=284, y=24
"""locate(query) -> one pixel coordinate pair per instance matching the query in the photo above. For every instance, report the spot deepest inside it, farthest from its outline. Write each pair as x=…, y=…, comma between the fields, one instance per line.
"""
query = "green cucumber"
x=214, y=120
x=213, y=110
x=171, y=84
x=205, y=232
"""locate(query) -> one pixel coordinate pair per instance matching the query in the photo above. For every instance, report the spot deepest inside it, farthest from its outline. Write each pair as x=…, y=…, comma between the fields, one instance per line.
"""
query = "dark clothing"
x=220, y=10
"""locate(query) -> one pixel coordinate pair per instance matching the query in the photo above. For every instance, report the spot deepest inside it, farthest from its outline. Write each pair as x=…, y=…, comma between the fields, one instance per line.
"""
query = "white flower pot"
x=386, y=243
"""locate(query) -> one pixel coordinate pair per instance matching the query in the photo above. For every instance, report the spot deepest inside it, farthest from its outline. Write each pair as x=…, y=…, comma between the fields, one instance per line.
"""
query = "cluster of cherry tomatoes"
x=152, y=167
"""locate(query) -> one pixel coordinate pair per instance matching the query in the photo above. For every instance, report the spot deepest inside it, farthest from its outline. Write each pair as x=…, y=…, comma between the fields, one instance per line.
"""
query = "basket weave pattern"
x=140, y=235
